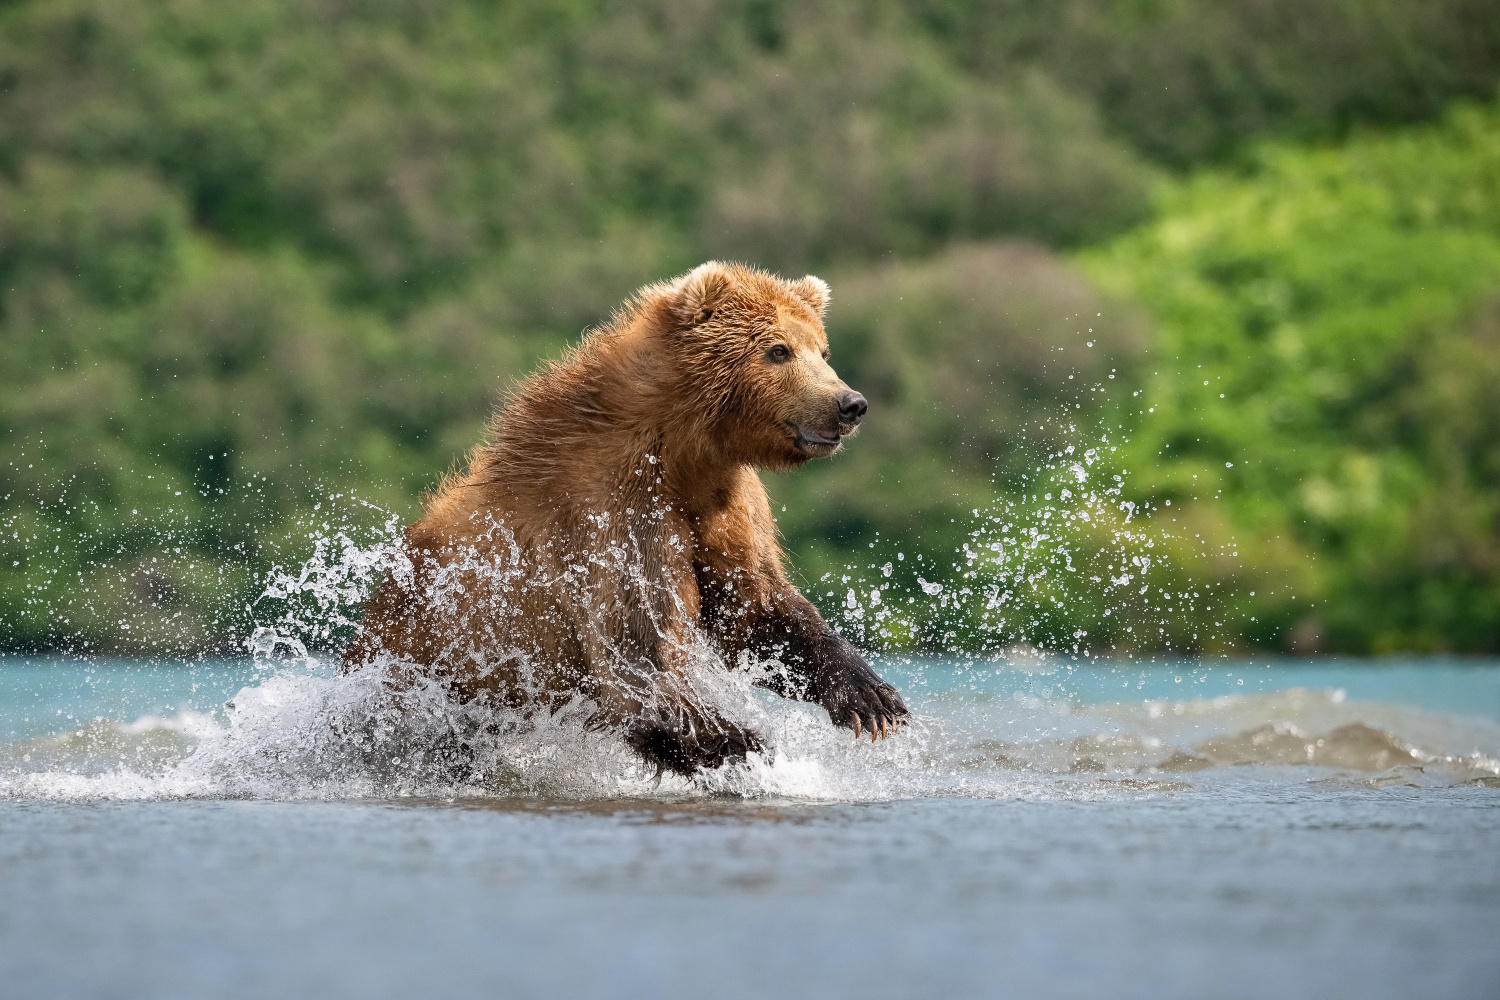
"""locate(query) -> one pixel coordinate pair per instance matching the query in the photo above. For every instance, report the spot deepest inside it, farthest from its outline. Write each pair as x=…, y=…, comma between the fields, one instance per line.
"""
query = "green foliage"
x=1324, y=371
x=255, y=255
x=259, y=253
x=1189, y=80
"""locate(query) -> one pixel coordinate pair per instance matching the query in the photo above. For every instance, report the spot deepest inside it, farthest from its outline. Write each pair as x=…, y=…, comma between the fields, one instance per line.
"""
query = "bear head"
x=752, y=351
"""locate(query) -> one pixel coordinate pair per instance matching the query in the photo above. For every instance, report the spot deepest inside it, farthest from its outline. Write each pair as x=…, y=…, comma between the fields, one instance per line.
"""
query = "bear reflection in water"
x=614, y=518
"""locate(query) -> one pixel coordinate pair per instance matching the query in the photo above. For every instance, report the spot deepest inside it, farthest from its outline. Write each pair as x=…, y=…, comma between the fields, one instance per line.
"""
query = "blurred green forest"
x=266, y=267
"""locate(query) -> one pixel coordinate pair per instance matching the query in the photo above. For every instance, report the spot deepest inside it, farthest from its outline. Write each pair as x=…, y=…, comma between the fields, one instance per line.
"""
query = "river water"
x=1043, y=829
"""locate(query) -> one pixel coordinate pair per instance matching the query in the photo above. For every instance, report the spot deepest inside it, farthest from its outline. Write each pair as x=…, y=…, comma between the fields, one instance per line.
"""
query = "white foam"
x=298, y=735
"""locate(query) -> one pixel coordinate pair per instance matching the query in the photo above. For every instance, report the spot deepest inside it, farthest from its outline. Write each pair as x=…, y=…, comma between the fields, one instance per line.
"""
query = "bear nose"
x=852, y=407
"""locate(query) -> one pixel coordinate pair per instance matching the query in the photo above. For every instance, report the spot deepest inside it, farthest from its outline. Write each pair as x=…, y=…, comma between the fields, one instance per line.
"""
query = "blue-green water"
x=1224, y=829
x=50, y=694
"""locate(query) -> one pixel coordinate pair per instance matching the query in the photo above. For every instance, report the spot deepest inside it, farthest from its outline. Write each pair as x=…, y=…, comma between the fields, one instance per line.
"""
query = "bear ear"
x=700, y=292
x=813, y=291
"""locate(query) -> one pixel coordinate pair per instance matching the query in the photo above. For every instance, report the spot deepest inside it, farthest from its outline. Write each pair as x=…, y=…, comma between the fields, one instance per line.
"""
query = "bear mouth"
x=815, y=442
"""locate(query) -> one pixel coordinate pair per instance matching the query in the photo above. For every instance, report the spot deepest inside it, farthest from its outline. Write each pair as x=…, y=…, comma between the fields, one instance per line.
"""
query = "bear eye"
x=825, y=354
x=779, y=353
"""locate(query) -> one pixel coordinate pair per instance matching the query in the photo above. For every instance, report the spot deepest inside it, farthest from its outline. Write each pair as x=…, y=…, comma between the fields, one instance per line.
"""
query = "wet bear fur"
x=615, y=517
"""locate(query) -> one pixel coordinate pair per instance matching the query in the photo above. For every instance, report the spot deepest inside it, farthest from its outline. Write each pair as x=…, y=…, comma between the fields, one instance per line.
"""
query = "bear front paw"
x=683, y=751
x=857, y=699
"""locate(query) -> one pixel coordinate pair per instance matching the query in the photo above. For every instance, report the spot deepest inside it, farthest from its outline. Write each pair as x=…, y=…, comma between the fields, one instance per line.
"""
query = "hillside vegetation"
x=268, y=265
x=1326, y=355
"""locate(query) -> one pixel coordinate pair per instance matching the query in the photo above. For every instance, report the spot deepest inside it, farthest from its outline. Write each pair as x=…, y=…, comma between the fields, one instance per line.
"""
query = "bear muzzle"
x=850, y=408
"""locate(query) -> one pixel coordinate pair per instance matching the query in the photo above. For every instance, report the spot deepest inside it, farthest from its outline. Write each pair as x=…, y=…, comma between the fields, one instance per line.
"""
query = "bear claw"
x=863, y=706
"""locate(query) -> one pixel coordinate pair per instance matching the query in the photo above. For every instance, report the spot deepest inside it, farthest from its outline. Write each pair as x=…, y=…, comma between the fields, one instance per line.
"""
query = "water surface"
x=1181, y=829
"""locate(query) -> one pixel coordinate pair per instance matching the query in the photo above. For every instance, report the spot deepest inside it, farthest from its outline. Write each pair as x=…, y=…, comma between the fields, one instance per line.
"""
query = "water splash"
x=1071, y=541
x=310, y=732
x=1068, y=564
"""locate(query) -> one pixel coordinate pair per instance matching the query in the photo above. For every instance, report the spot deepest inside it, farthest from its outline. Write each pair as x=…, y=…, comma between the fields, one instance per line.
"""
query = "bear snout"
x=852, y=407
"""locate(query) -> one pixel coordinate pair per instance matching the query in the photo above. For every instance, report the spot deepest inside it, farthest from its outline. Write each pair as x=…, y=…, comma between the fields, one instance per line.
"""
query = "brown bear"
x=615, y=518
